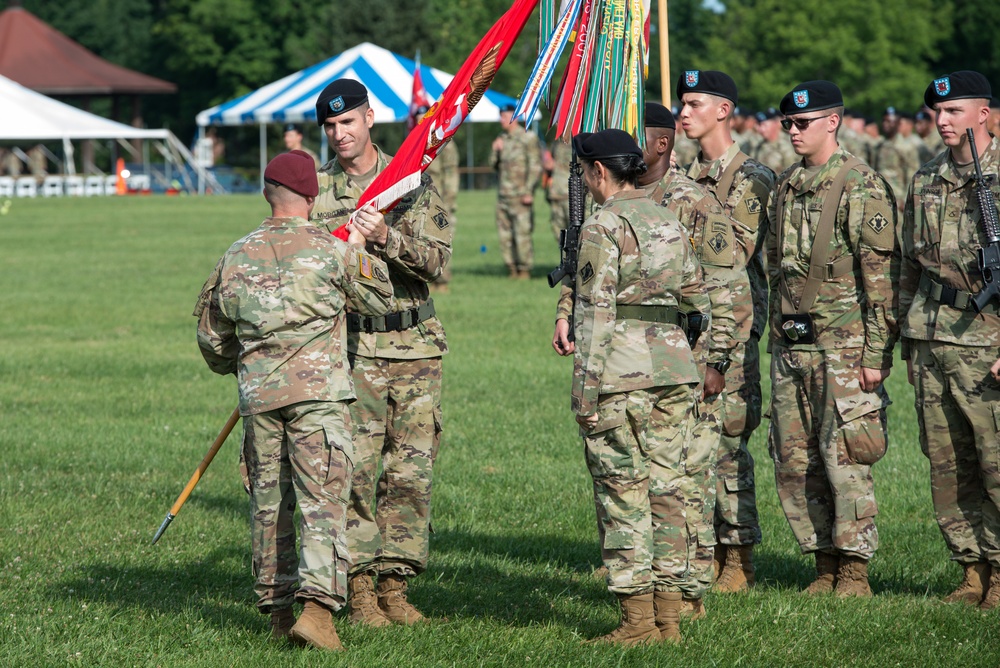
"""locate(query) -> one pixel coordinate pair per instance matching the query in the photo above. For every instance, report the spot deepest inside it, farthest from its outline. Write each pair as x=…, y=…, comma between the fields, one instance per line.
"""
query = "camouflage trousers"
x=299, y=455
x=515, y=223
x=397, y=430
x=819, y=415
x=636, y=459
x=958, y=409
x=736, y=520
x=559, y=218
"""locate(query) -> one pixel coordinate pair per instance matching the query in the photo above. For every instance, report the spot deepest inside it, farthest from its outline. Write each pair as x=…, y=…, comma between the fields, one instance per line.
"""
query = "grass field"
x=106, y=408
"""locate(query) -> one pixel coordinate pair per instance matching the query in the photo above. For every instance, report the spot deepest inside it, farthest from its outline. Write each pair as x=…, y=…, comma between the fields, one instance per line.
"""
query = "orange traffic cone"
x=121, y=188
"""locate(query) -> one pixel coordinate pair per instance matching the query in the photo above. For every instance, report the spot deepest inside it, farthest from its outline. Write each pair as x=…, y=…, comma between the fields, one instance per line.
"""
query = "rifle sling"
x=820, y=269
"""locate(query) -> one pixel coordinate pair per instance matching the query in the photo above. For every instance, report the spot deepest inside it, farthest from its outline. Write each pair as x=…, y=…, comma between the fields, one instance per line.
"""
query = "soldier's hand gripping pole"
x=209, y=456
x=989, y=253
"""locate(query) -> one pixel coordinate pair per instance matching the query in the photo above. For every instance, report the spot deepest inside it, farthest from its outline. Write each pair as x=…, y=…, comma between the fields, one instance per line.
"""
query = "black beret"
x=292, y=127
x=508, y=106
x=811, y=96
x=761, y=116
x=610, y=143
x=658, y=116
x=340, y=96
x=707, y=81
x=890, y=111
x=923, y=115
x=960, y=85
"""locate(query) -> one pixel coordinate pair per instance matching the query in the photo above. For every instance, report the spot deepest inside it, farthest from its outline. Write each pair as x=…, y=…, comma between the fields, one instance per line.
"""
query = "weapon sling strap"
x=821, y=242
x=725, y=183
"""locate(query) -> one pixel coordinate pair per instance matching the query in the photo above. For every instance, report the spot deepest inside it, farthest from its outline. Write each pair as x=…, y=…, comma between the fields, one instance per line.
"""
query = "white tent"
x=27, y=115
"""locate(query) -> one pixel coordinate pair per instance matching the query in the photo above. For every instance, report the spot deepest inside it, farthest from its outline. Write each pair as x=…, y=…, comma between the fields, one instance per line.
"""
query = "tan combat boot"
x=392, y=600
x=737, y=573
x=282, y=621
x=692, y=608
x=638, y=625
x=668, y=608
x=973, y=586
x=315, y=628
x=720, y=561
x=992, y=598
x=852, y=577
x=362, y=605
x=826, y=574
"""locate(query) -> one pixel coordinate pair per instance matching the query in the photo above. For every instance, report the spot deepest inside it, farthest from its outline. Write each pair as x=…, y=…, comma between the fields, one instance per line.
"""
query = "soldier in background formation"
x=395, y=363
x=775, y=152
x=743, y=187
x=556, y=161
x=444, y=173
x=516, y=156
x=833, y=262
x=950, y=350
x=896, y=158
x=293, y=142
x=634, y=380
x=283, y=340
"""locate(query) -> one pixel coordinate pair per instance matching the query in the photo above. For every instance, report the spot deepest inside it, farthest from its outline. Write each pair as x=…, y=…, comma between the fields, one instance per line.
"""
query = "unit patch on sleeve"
x=586, y=273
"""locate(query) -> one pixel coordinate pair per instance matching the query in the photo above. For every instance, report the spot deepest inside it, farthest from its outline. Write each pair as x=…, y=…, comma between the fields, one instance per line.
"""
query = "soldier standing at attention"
x=895, y=158
x=743, y=186
x=931, y=143
x=634, y=379
x=950, y=350
x=273, y=312
x=444, y=174
x=833, y=262
x=517, y=158
x=395, y=361
x=557, y=164
x=293, y=142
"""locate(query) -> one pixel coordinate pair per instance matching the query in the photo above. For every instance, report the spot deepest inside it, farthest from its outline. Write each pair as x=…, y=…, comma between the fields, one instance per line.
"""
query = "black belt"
x=396, y=321
x=668, y=315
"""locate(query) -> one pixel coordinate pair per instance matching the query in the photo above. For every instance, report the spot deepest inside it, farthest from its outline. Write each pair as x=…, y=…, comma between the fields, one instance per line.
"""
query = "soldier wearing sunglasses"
x=834, y=264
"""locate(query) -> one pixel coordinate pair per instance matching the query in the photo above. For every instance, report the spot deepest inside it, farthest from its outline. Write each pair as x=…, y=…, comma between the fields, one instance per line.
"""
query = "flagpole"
x=664, y=53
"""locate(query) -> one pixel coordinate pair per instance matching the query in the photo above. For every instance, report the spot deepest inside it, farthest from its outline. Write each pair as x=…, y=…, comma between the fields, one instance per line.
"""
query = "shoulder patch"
x=878, y=222
x=586, y=273
x=441, y=219
x=753, y=205
x=364, y=265
x=878, y=230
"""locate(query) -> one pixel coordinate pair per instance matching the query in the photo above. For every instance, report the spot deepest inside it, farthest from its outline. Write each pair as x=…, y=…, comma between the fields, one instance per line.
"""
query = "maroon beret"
x=296, y=170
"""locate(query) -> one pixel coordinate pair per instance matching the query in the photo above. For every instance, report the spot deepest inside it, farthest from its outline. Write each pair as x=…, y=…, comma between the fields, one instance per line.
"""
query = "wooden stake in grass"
x=209, y=456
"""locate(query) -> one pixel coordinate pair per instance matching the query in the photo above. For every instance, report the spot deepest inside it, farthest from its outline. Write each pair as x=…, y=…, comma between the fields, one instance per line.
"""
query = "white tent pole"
x=69, y=164
x=263, y=153
x=201, y=173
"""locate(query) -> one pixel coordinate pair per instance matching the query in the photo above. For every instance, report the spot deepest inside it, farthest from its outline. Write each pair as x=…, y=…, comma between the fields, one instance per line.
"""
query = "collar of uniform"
x=343, y=185
x=801, y=180
x=638, y=193
x=988, y=159
x=715, y=169
x=293, y=221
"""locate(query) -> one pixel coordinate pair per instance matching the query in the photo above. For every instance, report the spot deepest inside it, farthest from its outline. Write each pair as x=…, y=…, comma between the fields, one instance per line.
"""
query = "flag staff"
x=664, y=53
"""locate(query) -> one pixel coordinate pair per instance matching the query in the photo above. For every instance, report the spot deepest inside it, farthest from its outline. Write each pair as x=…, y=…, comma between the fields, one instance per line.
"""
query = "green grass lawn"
x=106, y=407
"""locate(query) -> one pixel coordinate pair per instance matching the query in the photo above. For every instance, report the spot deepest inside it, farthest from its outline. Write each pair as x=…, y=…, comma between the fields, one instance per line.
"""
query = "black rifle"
x=569, y=239
x=989, y=254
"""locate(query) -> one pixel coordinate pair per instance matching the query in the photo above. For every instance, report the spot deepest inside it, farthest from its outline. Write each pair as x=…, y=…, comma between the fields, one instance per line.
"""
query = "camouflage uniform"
x=776, y=155
x=930, y=147
x=728, y=288
x=746, y=203
x=397, y=375
x=852, y=142
x=273, y=313
x=558, y=192
x=685, y=150
x=952, y=350
x=639, y=378
x=519, y=167
x=896, y=160
x=820, y=418
x=444, y=174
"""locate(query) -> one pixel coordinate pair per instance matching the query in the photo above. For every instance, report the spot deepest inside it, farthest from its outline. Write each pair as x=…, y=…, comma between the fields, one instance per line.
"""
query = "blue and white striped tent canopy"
x=388, y=77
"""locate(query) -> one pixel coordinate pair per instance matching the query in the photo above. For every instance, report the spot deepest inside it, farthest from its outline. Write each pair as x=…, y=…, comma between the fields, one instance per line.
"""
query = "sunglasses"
x=800, y=123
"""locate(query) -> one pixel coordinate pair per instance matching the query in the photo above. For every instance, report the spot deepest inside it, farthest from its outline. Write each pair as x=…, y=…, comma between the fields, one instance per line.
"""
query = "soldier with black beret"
x=949, y=348
x=395, y=362
x=833, y=263
x=896, y=159
x=743, y=187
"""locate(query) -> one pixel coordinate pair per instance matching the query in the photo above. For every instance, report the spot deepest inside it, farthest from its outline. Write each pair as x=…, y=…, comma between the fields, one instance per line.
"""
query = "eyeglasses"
x=800, y=123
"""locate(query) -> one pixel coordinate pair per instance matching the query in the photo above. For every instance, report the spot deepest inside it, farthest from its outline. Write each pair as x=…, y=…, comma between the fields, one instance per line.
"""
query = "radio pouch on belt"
x=796, y=322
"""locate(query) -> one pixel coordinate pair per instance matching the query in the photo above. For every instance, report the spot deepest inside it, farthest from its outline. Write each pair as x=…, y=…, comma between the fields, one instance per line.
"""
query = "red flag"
x=439, y=124
x=418, y=98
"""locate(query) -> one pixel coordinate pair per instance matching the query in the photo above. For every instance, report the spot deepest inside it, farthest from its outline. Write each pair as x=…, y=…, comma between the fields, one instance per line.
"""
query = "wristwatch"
x=722, y=367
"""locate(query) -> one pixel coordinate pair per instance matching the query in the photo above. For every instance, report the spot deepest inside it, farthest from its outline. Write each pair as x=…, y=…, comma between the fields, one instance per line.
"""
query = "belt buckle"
x=948, y=295
x=392, y=322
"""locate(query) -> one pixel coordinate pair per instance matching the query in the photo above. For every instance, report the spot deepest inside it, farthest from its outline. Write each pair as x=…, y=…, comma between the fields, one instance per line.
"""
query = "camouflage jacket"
x=417, y=251
x=273, y=313
x=776, y=155
x=858, y=308
x=747, y=204
x=519, y=163
x=929, y=148
x=632, y=252
x=722, y=261
x=896, y=160
x=939, y=239
x=562, y=155
x=857, y=144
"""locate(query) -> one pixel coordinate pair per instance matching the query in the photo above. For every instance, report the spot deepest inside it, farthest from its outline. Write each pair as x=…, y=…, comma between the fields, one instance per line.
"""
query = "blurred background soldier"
x=517, y=158
x=284, y=339
x=833, y=262
x=633, y=382
x=743, y=187
x=775, y=151
x=852, y=136
x=444, y=173
x=556, y=162
x=950, y=350
x=895, y=158
x=395, y=362
x=293, y=142
x=931, y=144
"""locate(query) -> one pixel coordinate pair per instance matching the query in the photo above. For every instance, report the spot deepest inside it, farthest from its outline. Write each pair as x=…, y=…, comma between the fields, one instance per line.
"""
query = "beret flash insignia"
x=942, y=86
x=337, y=103
x=801, y=98
x=691, y=78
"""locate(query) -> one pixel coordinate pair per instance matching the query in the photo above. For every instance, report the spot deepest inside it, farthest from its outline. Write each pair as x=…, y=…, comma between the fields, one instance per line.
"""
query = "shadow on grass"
x=500, y=271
